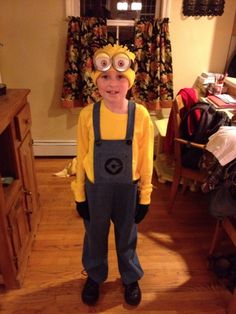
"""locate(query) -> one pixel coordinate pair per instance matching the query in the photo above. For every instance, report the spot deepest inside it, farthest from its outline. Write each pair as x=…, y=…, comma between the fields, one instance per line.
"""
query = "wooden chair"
x=227, y=226
x=181, y=173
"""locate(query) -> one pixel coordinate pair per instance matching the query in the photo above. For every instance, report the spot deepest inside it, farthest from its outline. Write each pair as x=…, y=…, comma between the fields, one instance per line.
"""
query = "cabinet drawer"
x=18, y=229
x=23, y=122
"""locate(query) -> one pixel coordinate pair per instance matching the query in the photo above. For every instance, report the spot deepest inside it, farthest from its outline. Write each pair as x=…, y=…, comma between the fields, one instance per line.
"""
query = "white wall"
x=199, y=44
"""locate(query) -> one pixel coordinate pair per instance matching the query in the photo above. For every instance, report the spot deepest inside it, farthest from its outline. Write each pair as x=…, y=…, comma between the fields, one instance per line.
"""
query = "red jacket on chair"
x=189, y=97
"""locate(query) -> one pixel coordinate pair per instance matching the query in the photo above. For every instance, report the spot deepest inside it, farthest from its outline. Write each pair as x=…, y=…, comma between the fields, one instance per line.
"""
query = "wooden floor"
x=172, y=250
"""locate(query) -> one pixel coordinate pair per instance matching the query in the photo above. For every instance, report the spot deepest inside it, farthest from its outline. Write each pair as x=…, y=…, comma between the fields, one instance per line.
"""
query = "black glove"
x=141, y=211
x=83, y=210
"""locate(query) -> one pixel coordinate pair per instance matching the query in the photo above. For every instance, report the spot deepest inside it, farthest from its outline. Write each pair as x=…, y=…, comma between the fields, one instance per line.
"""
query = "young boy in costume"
x=114, y=173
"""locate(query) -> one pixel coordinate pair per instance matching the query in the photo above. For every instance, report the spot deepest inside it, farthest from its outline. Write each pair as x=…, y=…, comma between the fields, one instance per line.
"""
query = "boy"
x=114, y=172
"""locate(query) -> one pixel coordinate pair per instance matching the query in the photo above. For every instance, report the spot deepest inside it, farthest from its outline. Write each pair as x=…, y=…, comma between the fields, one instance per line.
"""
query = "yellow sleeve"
x=78, y=185
x=145, y=156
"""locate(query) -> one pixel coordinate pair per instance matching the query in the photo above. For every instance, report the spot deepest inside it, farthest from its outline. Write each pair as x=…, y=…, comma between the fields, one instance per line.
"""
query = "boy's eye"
x=104, y=76
x=120, y=76
x=102, y=62
x=121, y=62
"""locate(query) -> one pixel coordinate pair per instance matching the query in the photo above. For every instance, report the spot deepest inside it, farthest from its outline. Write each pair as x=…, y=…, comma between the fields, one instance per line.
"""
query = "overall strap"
x=96, y=121
x=130, y=123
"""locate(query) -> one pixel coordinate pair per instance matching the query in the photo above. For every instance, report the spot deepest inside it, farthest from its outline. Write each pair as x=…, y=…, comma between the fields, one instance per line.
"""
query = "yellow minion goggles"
x=103, y=62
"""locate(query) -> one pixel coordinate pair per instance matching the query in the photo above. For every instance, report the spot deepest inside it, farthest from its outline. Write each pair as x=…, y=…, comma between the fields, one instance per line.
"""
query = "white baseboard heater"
x=54, y=147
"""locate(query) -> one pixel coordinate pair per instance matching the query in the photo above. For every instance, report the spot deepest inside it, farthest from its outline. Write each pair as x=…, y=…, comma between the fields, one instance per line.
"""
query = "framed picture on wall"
x=203, y=7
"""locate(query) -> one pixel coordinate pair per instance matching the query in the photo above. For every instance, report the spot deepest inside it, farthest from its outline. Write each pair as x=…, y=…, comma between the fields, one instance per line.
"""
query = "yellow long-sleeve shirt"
x=113, y=127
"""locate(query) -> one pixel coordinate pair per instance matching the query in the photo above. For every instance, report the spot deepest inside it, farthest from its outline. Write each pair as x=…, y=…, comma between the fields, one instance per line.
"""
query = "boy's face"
x=113, y=86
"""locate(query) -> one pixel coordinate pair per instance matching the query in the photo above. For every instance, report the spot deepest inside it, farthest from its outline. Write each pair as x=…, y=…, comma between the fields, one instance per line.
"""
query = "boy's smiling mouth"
x=112, y=92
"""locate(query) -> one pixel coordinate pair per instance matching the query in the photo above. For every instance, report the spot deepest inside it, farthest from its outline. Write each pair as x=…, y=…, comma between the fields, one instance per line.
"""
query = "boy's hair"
x=118, y=57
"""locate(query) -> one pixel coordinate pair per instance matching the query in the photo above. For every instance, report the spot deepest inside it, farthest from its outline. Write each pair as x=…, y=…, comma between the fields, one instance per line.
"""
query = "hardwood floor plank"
x=172, y=249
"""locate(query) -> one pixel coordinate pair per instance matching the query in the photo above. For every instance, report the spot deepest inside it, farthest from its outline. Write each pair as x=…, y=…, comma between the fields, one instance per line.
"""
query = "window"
x=118, y=9
x=108, y=8
x=120, y=22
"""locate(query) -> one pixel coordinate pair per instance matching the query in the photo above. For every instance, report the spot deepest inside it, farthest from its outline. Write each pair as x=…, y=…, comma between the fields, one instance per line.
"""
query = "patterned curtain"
x=154, y=77
x=85, y=35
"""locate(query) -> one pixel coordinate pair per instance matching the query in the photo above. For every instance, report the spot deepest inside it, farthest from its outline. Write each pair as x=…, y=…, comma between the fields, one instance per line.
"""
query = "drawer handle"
x=28, y=211
x=27, y=192
x=27, y=121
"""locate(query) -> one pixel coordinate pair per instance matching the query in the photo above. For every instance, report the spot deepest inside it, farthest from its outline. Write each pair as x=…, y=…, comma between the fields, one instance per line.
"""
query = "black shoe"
x=90, y=293
x=132, y=293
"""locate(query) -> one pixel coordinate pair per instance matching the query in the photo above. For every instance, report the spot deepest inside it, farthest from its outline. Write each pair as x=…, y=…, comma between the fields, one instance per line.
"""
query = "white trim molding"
x=54, y=147
x=72, y=8
x=165, y=8
x=120, y=22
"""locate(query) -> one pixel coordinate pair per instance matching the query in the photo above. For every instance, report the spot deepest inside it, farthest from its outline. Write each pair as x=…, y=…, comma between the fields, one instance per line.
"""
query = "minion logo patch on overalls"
x=113, y=166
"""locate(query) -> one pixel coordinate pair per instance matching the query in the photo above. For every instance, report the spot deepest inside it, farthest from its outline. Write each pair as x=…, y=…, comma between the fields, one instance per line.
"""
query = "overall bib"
x=112, y=197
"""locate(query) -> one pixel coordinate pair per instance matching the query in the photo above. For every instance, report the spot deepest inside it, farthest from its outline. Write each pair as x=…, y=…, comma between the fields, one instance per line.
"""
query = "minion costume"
x=114, y=172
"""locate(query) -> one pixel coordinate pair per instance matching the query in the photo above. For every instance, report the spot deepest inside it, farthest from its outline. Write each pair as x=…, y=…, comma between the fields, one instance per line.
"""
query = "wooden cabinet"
x=19, y=198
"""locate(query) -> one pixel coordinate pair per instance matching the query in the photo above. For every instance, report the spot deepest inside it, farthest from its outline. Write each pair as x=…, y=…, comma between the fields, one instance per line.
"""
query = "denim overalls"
x=112, y=196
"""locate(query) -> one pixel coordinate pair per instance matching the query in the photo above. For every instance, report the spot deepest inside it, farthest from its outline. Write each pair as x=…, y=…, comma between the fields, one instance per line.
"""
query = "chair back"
x=177, y=106
x=181, y=173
